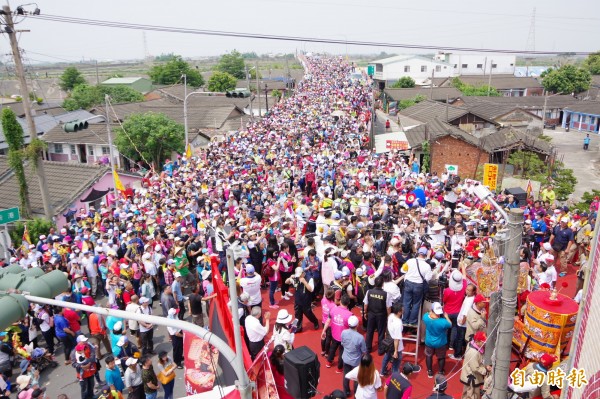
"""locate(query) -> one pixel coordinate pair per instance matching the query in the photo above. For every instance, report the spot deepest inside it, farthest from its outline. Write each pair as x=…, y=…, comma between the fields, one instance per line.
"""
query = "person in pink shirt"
x=338, y=321
x=327, y=303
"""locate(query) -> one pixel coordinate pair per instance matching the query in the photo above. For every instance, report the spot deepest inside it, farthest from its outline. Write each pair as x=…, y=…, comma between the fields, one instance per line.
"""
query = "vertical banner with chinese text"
x=490, y=176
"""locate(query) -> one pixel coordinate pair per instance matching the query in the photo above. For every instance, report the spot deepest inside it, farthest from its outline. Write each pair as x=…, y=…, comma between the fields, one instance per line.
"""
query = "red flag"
x=223, y=313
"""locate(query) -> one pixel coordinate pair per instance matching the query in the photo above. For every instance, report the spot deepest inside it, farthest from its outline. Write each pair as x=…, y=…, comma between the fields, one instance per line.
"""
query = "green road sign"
x=9, y=215
x=371, y=70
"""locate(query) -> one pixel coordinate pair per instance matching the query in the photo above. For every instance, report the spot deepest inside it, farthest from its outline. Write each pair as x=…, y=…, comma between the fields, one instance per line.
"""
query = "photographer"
x=303, y=298
x=451, y=192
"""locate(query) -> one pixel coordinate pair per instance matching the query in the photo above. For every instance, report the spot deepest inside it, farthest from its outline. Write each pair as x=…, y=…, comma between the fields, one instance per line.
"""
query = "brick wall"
x=452, y=151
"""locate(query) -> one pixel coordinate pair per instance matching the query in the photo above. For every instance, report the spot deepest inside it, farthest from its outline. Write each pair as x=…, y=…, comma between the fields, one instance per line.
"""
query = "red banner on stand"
x=200, y=362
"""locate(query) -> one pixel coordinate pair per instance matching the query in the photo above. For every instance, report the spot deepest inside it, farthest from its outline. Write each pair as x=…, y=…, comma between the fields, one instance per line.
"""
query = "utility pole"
x=490, y=78
x=185, y=121
x=12, y=35
x=266, y=100
x=248, y=86
x=431, y=86
x=110, y=144
x=258, y=90
x=97, y=76
x=544, y=110
x=509, y=303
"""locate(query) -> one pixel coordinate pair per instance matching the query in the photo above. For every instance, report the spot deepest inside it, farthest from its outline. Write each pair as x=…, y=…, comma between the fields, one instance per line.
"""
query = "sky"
x=559, y=26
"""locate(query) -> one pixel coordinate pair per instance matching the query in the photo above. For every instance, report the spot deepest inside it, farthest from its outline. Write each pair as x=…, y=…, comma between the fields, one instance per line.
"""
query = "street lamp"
x=185, y=98
x=483, y=193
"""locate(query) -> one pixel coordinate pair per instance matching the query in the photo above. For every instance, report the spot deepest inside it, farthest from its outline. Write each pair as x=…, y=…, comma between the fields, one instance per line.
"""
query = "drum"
x=549, y=322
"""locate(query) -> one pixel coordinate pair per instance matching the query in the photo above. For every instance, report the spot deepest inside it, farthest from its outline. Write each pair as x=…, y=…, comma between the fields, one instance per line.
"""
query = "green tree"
x=276, y=93
x=253, y=74
x=470, y=90
x=404, y=82
x=15, y=140
x=586, y=200
x=566, y=79
x=403, y=104
x=36, y=227
x=170, y=73
x=152, y=136
x=233, y=64
x=592, y=63
x=528, y=165
x=164, y=57
x=85, y=97
x=221, y=81
x=70, y=78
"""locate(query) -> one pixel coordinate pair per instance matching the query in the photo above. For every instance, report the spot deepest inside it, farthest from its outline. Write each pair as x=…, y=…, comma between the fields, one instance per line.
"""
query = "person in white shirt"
x=146, y=329
x=251, y=285
x=91, y=271
x=461, y=320
x=394, y=325
x=418, y=272
x=283, y=333
x=551, y=270
x=371, y=380
x=256, y=331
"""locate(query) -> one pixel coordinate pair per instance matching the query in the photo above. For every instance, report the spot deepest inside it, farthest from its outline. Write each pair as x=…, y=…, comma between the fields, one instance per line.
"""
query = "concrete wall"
x=452, y=151
x=68, y=156
x=395, y=71
x=505, y=64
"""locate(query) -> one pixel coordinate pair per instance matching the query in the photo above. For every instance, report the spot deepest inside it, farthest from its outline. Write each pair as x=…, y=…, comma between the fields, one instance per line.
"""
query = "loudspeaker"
x=519, y=194
x=301, y=369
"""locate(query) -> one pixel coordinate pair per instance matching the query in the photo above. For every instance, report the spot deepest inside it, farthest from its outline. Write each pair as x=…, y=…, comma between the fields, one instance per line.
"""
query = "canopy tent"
x=95, y=195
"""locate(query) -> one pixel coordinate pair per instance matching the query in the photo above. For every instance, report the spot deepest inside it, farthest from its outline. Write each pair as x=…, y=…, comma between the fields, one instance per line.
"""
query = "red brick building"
x=454, y=150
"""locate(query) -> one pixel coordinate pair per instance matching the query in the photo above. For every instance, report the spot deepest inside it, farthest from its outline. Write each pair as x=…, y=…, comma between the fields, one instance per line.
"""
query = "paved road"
x=585, y=164
x=63, y=380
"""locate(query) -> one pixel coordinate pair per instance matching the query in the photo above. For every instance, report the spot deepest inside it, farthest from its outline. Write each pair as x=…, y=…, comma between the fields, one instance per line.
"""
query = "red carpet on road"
x=422, y=385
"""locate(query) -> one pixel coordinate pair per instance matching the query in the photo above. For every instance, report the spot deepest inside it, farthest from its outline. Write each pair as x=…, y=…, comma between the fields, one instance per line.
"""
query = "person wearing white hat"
x=146, y=329
x=354, y=346
x=453, y=298
x=562, y=239
x=437, y=323
x=133, y=379
x=283, y=333
x=250, y=284
x=303, y=297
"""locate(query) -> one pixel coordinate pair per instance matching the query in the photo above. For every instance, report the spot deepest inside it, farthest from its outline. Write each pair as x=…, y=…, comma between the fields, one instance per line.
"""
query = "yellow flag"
x=118, y=185
x=188, y=151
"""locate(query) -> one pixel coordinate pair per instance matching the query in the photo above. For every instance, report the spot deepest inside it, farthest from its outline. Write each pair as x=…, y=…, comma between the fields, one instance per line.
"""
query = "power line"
x=170, y=29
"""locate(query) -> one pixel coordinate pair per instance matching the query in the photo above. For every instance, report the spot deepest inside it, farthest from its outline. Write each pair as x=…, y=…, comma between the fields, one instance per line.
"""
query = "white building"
x=389, y=70
x=478, y=64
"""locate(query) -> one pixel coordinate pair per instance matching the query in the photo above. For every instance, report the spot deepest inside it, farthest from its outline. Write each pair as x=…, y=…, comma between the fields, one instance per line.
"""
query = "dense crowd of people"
x=312, y=216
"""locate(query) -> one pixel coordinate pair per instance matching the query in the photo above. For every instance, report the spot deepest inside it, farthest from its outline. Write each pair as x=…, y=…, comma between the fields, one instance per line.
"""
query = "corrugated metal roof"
x=122, y=81
x=65, y=182
x=427, y=110
x=436, y=129
x=590, y=108
x=438, y=93
x=44, y=123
